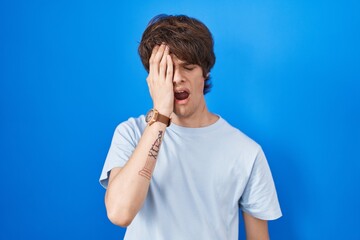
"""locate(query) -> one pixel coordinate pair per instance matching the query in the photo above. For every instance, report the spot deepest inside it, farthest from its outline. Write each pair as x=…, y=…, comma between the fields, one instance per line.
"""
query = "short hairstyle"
x=188, y=39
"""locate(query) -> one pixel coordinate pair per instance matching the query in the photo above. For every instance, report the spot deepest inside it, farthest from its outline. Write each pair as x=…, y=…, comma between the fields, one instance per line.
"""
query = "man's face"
x=188, y=89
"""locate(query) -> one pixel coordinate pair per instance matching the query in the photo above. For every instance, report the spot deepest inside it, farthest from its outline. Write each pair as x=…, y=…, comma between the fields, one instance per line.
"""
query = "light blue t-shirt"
x=201, y=179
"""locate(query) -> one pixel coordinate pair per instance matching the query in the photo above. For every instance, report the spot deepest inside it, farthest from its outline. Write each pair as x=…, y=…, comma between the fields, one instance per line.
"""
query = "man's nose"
x=178, y=76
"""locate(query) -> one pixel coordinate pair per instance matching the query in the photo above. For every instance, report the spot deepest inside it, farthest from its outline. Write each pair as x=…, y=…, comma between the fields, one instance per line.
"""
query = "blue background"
x=287, y=74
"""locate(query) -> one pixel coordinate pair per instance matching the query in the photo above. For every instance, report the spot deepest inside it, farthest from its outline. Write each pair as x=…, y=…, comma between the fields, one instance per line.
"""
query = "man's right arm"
x=128, y=186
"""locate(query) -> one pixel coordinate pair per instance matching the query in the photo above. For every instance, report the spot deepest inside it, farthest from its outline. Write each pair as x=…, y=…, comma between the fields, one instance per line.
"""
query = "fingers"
x=160, y=79
x=158, y=62
x=159, y=53
x=163, y=64
x=152, y=59
x=155, y=58
x=169, y=69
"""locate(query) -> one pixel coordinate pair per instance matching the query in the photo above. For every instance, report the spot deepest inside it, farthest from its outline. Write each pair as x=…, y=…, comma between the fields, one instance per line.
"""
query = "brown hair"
x=188, y=38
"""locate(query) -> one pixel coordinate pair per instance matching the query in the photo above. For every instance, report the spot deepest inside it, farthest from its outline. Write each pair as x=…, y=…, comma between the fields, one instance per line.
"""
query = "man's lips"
x=181, y=95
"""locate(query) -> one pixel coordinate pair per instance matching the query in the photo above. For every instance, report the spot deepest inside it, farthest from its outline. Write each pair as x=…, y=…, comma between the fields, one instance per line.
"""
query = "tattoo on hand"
x=151, y=159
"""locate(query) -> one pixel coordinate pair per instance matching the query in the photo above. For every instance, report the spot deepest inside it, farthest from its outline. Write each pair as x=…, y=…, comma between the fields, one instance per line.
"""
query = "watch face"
x=149, y=115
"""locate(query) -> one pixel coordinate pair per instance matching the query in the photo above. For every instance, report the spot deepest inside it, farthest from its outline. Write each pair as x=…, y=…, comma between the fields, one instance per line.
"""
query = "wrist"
x=164, y=111
x=154, y=115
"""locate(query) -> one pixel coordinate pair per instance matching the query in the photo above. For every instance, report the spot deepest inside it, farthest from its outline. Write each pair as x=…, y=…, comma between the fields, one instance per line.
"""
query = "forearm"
x=128, y=187
x=256, y=229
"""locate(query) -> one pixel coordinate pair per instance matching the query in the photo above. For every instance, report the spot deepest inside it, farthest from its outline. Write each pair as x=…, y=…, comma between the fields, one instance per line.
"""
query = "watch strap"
x=164, y=119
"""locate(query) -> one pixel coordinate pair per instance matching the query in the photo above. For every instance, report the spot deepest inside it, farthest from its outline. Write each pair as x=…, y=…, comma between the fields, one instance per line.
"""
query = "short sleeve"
x=122, y=146
x=259, y=198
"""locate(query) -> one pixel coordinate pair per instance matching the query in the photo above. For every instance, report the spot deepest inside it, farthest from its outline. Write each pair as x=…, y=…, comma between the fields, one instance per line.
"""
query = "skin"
x=256, y=229
x=192, y=112
x=128, y=186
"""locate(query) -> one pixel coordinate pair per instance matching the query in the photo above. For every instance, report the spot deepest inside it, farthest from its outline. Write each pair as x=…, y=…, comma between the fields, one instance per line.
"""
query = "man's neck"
x=199, y=119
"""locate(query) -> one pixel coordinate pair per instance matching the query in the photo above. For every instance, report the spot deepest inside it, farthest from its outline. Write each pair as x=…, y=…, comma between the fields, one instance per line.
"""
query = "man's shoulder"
x=237, y=136
x=134, y=121
x=134, y=125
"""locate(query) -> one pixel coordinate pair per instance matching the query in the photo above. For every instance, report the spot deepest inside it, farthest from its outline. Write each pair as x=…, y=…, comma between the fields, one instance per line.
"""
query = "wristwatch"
x=153, y=115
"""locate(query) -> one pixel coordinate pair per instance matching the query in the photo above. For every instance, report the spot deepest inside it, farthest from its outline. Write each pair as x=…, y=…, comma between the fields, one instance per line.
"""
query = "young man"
x=182, y=172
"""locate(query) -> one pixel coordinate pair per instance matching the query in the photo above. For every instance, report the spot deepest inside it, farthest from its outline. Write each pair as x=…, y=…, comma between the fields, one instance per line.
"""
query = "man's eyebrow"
x=185, y=64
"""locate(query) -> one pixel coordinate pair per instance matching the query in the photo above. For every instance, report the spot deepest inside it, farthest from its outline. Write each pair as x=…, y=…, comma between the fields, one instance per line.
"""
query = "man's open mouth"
x=181, y=95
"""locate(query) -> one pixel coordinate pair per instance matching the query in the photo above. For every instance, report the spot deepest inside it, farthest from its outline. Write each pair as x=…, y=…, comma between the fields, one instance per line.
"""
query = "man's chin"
x=180, y=112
